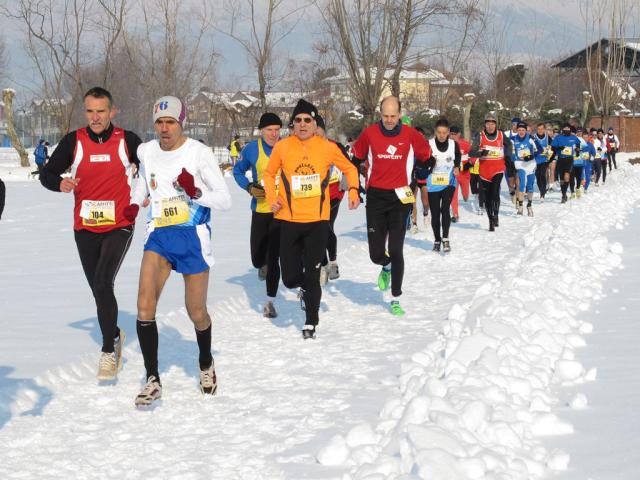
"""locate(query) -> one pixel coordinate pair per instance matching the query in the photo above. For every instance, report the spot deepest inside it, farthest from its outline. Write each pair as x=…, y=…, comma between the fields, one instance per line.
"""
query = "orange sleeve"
x=269, y=175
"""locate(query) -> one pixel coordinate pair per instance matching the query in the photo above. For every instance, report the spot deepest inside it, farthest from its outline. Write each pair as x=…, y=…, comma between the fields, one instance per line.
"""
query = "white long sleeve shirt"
x=159, y=170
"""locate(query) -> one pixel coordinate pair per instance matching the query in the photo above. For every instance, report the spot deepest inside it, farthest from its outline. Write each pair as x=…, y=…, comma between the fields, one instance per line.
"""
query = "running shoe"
x=309, y=332
x=384, y=279
x=269, y=310
x=436, y=246
x=396, y=309
x=334, y=273
x=446, y=246
x=208, y=381
x=107, y=366
x=151, y=392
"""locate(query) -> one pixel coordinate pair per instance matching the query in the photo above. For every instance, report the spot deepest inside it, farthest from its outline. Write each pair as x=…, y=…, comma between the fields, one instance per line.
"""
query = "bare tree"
x=364, y=38
x=260, y=26
x=608, y=62
x=164, y=61
x=7, y=97
x=60, y=41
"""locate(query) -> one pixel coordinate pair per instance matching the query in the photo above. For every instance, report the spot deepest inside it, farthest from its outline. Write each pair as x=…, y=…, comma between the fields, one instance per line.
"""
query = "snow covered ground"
x=471, y=383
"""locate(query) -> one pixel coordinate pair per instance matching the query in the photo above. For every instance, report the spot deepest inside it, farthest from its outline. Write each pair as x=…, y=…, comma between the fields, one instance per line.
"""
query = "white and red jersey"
x=493, y=162
x=390, y=159
x=104, y=173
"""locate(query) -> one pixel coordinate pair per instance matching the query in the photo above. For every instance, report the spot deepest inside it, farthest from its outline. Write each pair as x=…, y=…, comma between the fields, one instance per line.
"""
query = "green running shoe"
x=384, y=279
x=396, y=309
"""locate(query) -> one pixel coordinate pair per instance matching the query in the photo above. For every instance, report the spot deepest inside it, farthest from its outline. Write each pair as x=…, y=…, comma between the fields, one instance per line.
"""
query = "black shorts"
x=564, y=166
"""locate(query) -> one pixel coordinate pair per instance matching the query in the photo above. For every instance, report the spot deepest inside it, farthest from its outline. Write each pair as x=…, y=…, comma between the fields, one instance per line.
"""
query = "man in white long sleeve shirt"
x=183, y=183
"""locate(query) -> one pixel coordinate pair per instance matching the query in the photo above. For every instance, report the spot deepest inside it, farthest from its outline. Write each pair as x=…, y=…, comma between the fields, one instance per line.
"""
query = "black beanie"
x=320, y=122
x=305, y=107
x=267, y=119
x=453, y=129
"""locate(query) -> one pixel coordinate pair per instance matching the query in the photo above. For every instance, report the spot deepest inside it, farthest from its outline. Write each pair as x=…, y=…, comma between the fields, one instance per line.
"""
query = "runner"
x=337, y=187
x=564, y=147
x=476, y=184
x=525, y=150
x=184, y=183
x=588, y=153
x=443, y=167
x=542, y=159
x=491, y=146
x=264, y=237
x=390, y=150
x=603, y=154
x=304, y=161
x=552, y=178
x=102, y=159
x=510, y=170
x=234, y=149
x=577, y=171
x=613, y=147
x=597, y=160
x=463, y=179
x=419, y=186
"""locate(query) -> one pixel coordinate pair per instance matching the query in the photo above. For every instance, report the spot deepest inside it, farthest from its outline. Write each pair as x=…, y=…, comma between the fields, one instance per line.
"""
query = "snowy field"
x=508, y=365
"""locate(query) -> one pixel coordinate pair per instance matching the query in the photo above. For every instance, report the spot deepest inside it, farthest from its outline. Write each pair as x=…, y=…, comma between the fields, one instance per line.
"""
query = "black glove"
x=467, y=166
x=528, y=157
x=484, y=152
x=256, y=190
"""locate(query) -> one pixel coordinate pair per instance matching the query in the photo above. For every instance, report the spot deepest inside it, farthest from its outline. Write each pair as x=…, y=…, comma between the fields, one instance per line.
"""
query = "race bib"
x=585, y=155
x=96, y=213
x=306, y=186
x=567, y=151
x=170, y=211
x=441, y=176
x=405, y=195
x=335, y=176
x=495, y=153
x=524, y=152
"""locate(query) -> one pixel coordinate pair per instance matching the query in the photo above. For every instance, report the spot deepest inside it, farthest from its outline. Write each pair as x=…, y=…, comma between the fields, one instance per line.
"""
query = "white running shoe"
x=334, y=272
x=107, y=366
x=208, y=381
x=151, y=391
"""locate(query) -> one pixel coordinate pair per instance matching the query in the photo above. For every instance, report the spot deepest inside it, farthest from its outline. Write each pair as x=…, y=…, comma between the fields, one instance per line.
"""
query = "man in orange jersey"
x=302, y=204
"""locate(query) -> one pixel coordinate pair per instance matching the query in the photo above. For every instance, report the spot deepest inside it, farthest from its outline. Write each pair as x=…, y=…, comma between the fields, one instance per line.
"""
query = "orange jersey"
x=304, y=168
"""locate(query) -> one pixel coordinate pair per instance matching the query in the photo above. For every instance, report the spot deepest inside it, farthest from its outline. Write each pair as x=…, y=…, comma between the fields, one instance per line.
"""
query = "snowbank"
x=478, y=402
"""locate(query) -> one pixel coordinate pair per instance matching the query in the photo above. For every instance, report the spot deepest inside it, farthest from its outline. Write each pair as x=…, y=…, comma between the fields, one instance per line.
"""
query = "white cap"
x=170, y=107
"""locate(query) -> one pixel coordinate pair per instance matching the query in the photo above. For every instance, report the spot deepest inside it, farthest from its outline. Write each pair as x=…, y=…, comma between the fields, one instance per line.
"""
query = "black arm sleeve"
x=475, y=151
x=507, y=147
x=61, y=160
x=133, y=142
x=457, y=160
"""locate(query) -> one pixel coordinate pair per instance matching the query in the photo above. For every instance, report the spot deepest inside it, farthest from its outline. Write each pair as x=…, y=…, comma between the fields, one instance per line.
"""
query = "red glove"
x=185, y=180
x=131, y=212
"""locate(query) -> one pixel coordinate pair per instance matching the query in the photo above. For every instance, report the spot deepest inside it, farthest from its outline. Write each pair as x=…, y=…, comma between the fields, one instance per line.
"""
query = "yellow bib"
x=96, y=213
x=405, y=195
x=306, y=186
x=171, y=211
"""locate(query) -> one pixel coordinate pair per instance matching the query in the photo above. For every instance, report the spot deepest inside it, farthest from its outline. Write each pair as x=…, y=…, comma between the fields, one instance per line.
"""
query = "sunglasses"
x=301, y=119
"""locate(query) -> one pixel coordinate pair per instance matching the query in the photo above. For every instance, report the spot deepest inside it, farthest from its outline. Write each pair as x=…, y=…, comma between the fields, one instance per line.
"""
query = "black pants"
x=564, y=166
x=3, y=193
x=492, y=194
x=612, y=159
x=476, y=188
x=387, y=220
x=332, y=241
x=440, y=206
x=101, y=255
x=597, y=169
x=541, y=178
x=603, y=162
x=264, y=240
x=302, y=248
x=576, y=177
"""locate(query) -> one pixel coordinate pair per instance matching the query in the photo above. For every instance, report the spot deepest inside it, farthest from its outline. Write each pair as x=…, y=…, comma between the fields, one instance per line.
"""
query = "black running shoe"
x=309, y=332
x=436, y=246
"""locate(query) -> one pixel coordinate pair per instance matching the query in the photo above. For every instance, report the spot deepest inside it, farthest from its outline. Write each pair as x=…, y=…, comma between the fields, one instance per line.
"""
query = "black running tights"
x=440, y=207
x=492, y=194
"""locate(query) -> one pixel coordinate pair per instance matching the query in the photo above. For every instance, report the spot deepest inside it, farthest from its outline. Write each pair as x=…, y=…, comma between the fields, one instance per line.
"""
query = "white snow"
x=471, y=383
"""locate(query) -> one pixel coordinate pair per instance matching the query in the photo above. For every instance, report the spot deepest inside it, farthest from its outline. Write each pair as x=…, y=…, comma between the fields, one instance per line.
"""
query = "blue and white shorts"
x=187, y=249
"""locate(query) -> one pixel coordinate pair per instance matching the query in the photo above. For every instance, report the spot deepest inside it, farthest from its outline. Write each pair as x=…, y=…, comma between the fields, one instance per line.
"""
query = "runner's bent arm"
x=216, y=194
x=241, y=167
x=269, y=174
x=60, y=161
x=348, y=170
